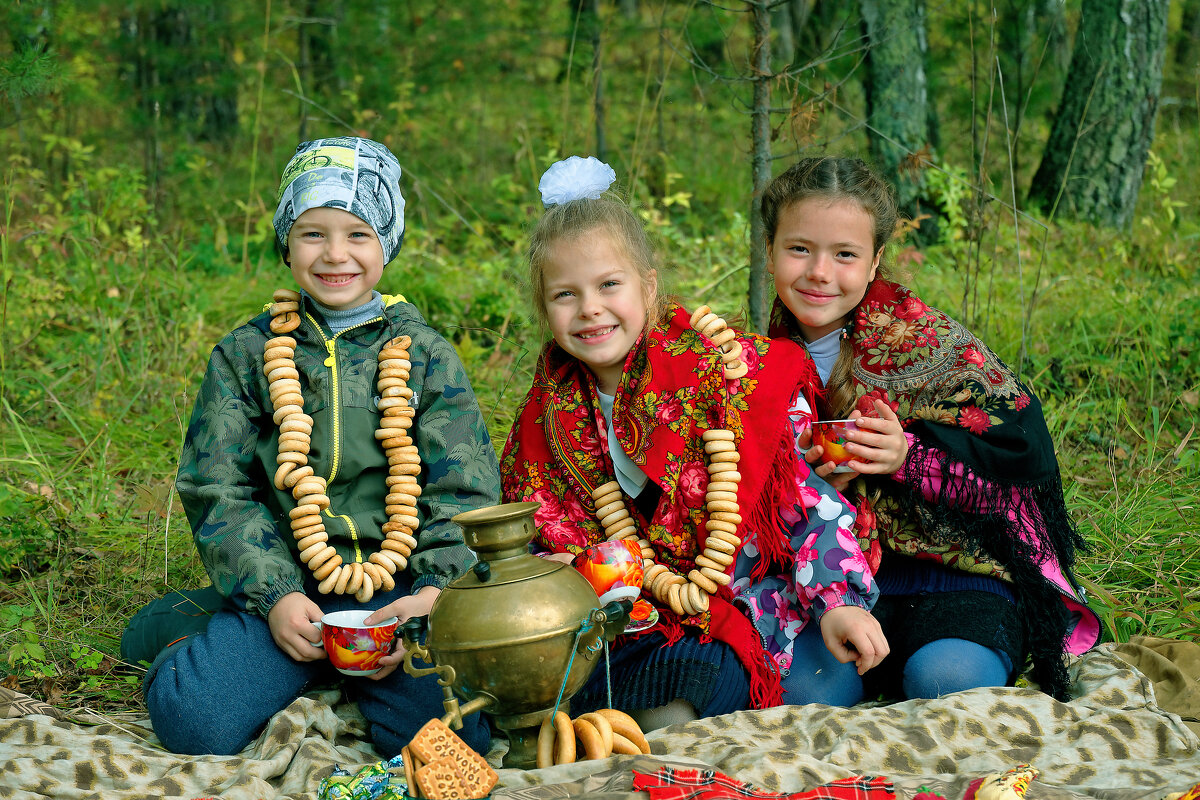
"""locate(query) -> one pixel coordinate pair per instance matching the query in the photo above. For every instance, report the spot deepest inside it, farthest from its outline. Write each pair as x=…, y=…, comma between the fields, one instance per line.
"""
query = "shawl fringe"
x=766, y=688
x=999, y=536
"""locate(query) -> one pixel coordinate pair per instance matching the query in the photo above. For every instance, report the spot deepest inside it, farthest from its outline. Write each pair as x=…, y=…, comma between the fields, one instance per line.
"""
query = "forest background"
x=1046, y=151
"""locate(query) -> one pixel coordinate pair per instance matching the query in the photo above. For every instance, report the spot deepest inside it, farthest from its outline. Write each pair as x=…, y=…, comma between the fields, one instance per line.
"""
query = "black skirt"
x=911, y=621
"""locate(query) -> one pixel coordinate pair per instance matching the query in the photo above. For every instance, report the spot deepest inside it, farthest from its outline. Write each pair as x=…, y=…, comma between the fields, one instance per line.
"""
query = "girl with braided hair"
x=959, y=499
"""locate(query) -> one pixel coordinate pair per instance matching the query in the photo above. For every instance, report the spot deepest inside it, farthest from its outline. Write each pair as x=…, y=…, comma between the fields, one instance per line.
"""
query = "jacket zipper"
x=336, y=435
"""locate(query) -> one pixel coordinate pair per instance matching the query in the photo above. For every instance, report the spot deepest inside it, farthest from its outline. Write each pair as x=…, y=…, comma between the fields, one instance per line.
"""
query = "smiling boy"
x=283, y=505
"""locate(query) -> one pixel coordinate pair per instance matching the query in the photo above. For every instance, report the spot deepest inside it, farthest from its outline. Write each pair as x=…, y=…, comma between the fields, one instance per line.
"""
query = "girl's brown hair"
x=578, y=218
x=834, y=179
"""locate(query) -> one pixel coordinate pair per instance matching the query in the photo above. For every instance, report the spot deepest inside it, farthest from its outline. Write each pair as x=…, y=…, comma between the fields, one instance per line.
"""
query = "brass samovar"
x=511, y=633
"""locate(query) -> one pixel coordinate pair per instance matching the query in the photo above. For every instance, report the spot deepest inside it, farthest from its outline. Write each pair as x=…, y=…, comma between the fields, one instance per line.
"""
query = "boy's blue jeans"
x=213, y=692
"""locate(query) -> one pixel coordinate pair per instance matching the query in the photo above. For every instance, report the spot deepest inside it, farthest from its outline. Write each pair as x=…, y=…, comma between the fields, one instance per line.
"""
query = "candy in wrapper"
x=372, y=782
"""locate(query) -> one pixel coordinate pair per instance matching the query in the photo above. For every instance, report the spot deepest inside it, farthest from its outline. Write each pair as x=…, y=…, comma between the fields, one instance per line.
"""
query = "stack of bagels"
x=595, y=735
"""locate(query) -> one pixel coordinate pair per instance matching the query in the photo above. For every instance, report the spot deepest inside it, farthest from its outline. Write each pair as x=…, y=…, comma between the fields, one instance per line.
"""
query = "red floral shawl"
x=966, y=408
x=672, y=390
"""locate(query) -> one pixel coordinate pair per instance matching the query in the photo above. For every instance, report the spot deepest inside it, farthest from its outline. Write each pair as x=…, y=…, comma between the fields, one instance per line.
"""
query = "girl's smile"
x=823, y=259
x=596, y=305
x=597, y=333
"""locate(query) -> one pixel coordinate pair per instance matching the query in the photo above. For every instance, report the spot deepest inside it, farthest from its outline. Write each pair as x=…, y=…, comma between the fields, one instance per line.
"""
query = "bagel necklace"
x=689, y=596
x=361, y=579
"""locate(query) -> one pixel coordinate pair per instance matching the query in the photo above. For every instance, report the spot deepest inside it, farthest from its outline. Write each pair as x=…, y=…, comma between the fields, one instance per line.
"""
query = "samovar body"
x=513, y=627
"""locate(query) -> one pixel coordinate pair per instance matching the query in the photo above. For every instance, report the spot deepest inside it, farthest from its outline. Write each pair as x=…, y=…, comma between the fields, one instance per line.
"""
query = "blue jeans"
x=214, y=692
x=939, y=668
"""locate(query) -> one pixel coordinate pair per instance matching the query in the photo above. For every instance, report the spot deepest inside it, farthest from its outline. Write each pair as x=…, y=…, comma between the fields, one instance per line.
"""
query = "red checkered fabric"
x=695, y=784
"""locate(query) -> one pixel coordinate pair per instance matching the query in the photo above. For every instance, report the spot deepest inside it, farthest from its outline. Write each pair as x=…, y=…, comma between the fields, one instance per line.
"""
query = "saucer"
x=643, y=616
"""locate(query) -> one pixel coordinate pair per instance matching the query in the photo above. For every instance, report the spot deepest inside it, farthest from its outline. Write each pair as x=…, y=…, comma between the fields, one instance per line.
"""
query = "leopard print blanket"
x=1130, y=732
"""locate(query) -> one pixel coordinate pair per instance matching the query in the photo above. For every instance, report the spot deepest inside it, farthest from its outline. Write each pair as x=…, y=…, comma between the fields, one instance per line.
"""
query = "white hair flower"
x=575, y=178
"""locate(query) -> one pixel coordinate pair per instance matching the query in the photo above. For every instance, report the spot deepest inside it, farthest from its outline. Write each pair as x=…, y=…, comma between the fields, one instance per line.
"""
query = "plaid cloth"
x=695, y=784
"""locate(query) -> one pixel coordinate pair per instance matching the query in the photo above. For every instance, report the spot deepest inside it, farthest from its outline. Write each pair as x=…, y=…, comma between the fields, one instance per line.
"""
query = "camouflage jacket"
x=240, y=521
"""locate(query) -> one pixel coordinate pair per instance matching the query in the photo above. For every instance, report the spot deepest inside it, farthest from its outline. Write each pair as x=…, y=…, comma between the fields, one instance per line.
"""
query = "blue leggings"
x=214, y=692
x=938, y=668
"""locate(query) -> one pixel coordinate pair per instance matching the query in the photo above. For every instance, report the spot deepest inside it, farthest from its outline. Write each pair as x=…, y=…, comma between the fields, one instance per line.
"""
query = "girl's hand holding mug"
x=413, y=605
x=876, y=445
x=291, y=622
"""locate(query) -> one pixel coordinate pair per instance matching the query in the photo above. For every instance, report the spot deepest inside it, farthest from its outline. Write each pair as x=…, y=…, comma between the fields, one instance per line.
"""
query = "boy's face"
x=335, y=257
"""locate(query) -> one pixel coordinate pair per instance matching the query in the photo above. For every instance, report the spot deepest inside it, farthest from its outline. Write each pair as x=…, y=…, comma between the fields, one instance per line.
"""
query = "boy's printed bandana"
x=672, y=389
x=354, y=174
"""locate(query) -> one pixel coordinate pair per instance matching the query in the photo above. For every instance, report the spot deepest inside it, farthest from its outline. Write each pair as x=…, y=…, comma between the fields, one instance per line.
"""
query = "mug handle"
x=320, y=627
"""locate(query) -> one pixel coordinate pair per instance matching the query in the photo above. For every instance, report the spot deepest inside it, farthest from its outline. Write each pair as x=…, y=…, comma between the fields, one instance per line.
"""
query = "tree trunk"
x=814, y=25
x=597, y=81
x=1033, y=52
x=760, y=134
x=897, y=93
x=1017, y=28
x=794, y=17
x=1092, y=166
x=181, y=67
x=782, y=26
x=581, y=18
x=1187, y=45
x=316, y=63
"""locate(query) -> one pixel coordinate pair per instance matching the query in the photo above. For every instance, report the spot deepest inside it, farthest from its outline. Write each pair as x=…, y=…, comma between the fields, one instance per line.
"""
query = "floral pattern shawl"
x=672, y=390
x=997, y=507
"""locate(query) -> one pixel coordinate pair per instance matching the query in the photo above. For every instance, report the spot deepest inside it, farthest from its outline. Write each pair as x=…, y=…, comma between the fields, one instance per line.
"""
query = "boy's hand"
x=291, y=621
x=852, y=634
x=413, y=605
x=879, y=446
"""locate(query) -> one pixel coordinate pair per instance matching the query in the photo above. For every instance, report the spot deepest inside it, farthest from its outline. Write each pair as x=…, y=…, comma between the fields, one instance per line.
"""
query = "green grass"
x=113, y=294
x=96, y=399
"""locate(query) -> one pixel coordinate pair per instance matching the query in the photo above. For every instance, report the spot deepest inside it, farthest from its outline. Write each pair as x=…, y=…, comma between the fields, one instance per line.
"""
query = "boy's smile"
x=335, y=257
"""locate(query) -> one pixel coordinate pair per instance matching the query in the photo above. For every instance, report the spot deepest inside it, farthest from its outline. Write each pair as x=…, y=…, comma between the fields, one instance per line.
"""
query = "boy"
x=266, y=442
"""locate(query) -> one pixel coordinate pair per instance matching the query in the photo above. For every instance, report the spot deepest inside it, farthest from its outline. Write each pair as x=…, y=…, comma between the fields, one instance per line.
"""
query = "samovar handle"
x=609, y=621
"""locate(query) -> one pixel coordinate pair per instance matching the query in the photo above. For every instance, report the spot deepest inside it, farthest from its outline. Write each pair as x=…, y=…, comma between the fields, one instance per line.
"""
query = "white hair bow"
x=575, y=178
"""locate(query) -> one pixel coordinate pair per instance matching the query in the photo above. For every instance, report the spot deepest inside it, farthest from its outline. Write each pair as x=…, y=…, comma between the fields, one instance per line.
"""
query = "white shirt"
x=629, y=475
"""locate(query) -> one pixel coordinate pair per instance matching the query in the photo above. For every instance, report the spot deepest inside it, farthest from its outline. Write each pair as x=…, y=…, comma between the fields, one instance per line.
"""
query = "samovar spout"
x=605, y=624
x=411, y=631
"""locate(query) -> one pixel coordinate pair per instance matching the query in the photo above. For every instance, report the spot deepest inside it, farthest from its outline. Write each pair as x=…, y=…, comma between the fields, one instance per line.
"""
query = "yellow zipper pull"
x=329, y=361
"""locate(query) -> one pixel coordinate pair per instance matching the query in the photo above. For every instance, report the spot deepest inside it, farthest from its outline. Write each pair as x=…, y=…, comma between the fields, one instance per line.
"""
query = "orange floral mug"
x=831, y=435
x=614, y=569
x=355, y=648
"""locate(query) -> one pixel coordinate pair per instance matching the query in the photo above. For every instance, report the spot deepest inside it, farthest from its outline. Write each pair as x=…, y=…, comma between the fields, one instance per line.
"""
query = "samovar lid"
x=497, y=532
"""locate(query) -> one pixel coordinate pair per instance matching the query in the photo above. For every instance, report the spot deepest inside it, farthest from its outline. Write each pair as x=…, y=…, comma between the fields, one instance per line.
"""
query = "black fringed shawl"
x=998, y=506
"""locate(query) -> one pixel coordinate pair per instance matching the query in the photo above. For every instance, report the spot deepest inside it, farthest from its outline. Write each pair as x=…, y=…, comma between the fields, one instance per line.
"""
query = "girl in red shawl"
x=960, y=504
x=646, y=423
